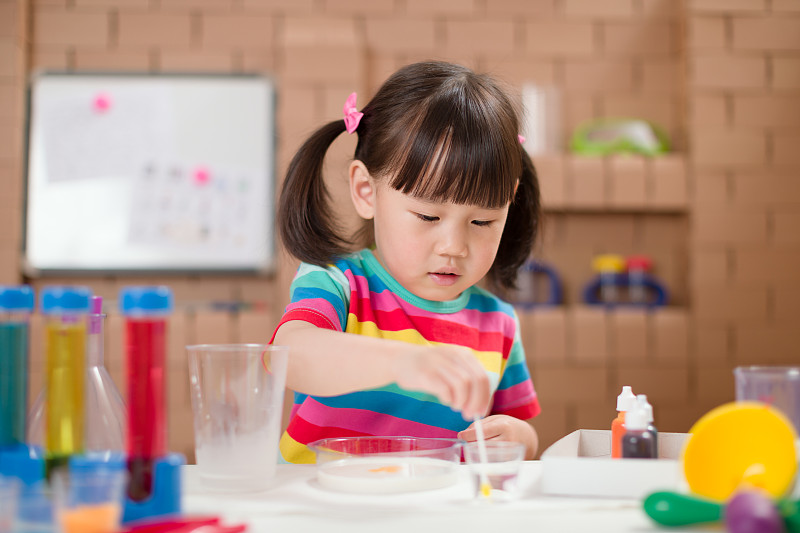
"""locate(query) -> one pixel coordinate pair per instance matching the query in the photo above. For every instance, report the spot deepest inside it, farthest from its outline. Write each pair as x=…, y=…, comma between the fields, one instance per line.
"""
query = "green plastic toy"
x=609, y=136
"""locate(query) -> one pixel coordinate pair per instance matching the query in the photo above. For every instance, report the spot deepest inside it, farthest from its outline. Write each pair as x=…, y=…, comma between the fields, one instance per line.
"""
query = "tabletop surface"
x=296, y=502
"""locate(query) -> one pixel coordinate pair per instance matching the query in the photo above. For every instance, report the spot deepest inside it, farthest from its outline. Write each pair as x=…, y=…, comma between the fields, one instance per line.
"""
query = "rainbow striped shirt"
x=357, y=295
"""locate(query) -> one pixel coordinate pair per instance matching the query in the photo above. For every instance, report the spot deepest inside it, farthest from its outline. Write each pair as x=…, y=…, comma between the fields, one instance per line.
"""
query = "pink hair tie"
x=351, y=114
x=521, y=139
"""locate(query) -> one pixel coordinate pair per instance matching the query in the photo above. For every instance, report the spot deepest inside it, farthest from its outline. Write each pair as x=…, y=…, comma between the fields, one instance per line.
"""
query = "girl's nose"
x=453, y=242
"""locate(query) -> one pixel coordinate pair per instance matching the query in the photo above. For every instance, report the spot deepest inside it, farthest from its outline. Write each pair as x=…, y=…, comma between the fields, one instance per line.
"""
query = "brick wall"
x=743, y=95
x=720, y=215
x=14, y=18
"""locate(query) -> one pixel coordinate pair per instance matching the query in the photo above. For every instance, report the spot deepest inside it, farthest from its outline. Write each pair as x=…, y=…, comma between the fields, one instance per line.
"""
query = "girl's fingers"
x=452, y=374
x=479, y=393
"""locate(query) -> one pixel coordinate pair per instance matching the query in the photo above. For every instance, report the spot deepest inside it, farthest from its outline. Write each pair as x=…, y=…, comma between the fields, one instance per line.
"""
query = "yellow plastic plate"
x=740, y=443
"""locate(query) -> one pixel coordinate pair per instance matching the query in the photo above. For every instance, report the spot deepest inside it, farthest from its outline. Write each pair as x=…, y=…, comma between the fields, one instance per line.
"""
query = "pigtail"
x=522, y=227
x=305, y=218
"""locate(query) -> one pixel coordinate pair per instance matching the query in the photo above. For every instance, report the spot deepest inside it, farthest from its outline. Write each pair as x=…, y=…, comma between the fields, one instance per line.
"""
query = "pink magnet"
x=201, y=175
x=102, y=102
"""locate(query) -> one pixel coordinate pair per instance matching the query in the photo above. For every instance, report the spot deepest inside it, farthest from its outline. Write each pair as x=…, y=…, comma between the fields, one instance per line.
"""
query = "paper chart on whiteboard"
x=181, y=205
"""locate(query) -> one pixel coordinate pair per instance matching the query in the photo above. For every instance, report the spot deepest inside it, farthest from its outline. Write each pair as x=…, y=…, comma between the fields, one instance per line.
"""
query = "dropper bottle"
x=625, y=402
x=641, y=399
x=638, y=442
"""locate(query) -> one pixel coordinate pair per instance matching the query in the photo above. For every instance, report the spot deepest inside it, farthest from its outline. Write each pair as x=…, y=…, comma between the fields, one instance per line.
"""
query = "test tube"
x=16, y=305
x=608, y=266
x=638, y=266
x=65, y=310
x=145, y=310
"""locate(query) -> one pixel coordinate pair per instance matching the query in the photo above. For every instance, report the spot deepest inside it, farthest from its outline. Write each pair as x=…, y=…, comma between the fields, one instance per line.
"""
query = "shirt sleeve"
x=515, y=394
x=320, y=296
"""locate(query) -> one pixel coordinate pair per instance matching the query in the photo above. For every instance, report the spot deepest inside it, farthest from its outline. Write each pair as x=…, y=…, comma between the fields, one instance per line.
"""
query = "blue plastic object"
x=591, y=293
x=23, y=462
x=94, y=461
x=17, y=298
x=145, y=301
x=64, y=299
x=555, y=295
x=166, y=496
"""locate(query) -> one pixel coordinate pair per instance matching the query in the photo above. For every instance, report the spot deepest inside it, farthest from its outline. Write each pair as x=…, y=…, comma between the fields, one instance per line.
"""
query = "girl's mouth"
x=443, y=278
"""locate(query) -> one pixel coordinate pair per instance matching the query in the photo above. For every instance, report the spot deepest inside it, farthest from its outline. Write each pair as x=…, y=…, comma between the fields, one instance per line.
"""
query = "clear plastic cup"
x=778, y=386
x=9, y=499
x=88, y=501
x=35, y=509
x=237, y=400
x=502, y=466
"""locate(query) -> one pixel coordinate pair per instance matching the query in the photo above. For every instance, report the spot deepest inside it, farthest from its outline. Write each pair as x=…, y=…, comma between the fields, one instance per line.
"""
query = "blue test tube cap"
x=145, y=301
x=57, y=299
x=93, y=461
x=16, y=298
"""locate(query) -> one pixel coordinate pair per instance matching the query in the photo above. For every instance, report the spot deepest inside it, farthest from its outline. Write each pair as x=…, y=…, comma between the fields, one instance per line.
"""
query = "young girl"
x=397, y=339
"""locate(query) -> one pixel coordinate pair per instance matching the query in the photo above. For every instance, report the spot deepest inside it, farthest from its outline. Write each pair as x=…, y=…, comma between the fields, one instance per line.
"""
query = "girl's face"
x=434, y=250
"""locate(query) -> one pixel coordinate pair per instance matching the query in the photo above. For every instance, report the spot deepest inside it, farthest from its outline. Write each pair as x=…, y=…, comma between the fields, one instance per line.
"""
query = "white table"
x=297, y=503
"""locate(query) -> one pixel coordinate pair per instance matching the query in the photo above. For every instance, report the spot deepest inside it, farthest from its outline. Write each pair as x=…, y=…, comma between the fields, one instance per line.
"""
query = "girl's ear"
x=362, y=190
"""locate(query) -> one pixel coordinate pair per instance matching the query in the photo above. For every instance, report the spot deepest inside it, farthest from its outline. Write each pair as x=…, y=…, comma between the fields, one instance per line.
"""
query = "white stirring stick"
x=486, y=487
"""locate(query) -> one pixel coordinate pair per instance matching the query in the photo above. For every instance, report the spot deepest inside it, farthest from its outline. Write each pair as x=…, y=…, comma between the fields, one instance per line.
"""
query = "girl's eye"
x=427, y=218
x=482, y=223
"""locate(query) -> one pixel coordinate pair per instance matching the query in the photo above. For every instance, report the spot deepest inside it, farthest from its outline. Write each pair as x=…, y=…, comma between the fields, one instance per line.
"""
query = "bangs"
x=463, y=149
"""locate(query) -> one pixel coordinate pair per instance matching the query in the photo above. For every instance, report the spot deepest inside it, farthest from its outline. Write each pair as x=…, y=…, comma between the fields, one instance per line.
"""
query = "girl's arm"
x=324, y=362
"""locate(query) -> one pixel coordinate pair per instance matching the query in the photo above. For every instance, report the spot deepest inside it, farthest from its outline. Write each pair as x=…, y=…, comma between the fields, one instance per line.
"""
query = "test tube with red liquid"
x=638, y=266
x=146, y=310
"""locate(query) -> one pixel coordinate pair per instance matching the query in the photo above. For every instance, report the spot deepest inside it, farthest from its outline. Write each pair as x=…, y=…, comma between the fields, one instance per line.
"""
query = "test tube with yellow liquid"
x=65, y=311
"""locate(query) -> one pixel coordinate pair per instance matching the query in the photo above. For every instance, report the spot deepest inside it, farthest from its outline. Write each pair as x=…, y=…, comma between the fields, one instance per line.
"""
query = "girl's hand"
x=451, y=373
x=506, y=428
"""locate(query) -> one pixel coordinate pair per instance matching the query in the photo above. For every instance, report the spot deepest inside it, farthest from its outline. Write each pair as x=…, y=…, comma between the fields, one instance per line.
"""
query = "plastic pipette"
x=486, y=487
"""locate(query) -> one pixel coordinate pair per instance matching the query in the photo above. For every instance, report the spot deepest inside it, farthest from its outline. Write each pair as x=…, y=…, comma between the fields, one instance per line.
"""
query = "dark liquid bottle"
x=638, y=442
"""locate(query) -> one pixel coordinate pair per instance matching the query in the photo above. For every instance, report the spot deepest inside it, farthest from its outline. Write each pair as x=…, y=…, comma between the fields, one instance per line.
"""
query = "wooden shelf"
x=619, y=183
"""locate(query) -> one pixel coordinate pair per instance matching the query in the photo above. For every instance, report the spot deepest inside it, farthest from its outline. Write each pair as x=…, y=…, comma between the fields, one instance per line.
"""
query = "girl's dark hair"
x=434, y=130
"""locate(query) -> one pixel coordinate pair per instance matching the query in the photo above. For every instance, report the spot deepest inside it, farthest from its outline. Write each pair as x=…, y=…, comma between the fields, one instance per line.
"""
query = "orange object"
x=103, y=518
x=393, y=469
x=617, y=431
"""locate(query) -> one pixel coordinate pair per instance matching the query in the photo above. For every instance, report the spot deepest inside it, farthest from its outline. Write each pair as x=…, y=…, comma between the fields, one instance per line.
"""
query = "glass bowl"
x=385, y=465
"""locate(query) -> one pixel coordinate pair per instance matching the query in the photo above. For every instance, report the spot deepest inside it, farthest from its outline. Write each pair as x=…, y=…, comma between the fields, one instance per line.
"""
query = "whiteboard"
x=149, y=173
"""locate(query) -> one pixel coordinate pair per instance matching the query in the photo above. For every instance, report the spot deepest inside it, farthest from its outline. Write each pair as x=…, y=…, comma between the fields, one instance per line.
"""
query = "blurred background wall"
x=720, y=215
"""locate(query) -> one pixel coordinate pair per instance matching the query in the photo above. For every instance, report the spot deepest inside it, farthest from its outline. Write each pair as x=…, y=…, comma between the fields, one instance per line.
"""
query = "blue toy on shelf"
x=555, y=294
x=592, y=291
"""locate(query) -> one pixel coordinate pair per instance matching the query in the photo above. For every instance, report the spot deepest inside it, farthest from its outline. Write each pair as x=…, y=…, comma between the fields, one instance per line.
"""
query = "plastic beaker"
x=237, y=400
x=89, y=501
x=35, y=509
x=778, y=386
x=502, y=464
x=9, y=498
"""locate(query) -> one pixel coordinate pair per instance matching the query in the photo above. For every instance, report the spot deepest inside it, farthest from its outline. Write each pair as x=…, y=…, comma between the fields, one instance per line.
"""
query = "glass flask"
x=106, y=414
